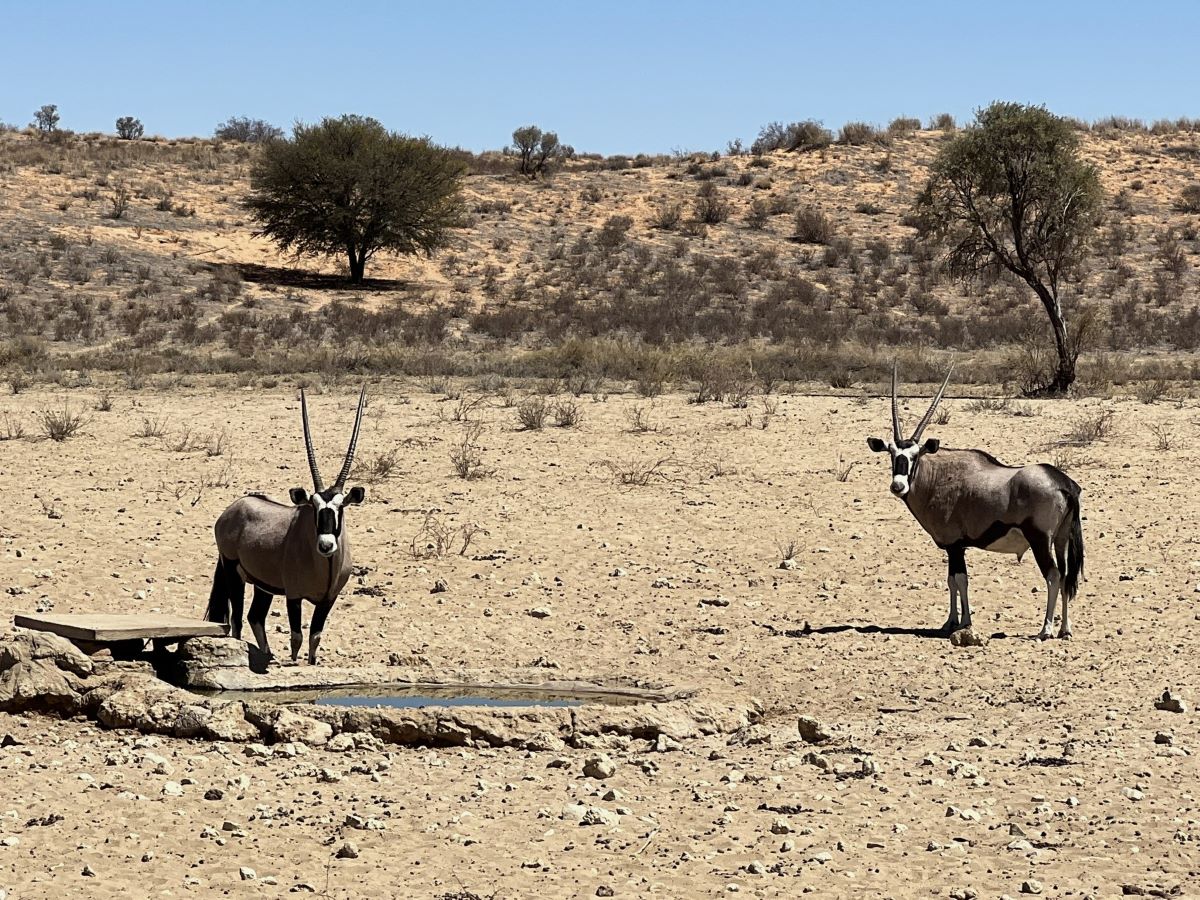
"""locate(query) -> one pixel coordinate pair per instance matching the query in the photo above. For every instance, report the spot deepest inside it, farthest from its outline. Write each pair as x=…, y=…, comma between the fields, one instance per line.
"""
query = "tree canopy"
x=1012, y=193
x=348, y=187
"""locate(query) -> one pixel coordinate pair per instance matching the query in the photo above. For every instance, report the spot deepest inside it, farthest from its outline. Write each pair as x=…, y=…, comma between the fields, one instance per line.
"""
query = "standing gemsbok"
x=301, y=551
x=968, y=498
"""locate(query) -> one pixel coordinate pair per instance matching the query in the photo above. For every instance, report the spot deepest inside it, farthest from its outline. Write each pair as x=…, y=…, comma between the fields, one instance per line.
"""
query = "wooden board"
x=103, y=628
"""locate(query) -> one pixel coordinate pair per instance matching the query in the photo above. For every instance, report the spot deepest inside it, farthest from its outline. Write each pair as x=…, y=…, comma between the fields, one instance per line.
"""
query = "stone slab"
x=106, y=628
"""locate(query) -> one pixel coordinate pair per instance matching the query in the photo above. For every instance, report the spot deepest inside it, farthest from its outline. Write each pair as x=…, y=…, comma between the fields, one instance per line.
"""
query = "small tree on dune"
x=45, y=120
x=348, y=187
x=1011, y=193
x=538, y=150
x=129, y=128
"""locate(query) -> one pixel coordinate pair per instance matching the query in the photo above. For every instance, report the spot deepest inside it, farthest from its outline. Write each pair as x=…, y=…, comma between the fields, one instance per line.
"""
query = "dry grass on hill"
x=136, y=256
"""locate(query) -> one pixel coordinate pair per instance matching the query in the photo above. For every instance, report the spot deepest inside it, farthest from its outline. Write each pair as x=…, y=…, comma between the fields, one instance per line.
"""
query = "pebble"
x=348, y=850
x=1032, y=886
x=172, y=789
x=214, y=794
x=781, y=826
x=247, y=873
x=603, y=891
x=540, y=612
x=88, y=872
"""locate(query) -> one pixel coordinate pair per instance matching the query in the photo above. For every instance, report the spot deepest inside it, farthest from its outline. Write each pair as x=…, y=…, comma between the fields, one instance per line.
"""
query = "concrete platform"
x=98, y=628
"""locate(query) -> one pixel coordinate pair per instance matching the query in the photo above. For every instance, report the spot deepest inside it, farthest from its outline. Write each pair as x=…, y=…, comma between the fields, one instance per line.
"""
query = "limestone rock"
x=215, y=651
x=39, y=670
x=968, y=637
x=812, y=731
x=295, y=729
x=599, y=767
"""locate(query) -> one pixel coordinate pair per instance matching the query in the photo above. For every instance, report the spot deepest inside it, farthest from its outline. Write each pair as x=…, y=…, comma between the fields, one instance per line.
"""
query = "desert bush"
x=246, y=130
x=1150, y=392
x=1090, y=428
x=568, y=414
x=152, y=427
x=119, y=200
x=532, y=413
x=710, y=207
x=758, y=215
x=812, y=226
x=639, y=418
x=466, y=457
x=612, y=233
x=797, y=136
x=868, y=208
x=129, y=128
x=641, y=472
x=666, y=216
x=942, y=122
x=904, y=125
x=1189, y=199
x=60, y=424
x=11, y=429
x=1164, y=436
x=858, y=133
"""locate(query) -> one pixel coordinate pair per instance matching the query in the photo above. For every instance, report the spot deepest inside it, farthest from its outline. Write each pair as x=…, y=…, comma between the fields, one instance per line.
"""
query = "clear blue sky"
x=608, y=75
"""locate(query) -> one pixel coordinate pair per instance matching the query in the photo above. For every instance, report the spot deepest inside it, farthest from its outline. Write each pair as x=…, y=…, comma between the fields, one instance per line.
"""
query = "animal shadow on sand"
x=806, y=631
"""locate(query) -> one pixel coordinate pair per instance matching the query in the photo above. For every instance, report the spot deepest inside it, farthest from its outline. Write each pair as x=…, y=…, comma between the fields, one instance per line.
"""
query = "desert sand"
x=1017, y=766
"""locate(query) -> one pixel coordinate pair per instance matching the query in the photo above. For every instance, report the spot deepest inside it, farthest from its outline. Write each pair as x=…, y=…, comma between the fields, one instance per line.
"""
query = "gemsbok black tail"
x=222, y=592
x=1073, y=570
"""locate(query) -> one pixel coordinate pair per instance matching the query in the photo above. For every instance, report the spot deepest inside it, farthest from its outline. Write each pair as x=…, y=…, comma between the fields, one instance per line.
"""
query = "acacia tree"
x=45, y=120
x=1011, y=193
x=538, y=150
x=348, y=187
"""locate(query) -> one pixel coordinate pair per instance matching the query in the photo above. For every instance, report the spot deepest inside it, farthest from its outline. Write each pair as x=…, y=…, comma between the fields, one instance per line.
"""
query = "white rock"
x=247, y=873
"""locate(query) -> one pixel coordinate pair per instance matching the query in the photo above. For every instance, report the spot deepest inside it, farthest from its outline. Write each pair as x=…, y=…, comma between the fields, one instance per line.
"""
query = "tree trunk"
x=1064, y=375
x=358, y=266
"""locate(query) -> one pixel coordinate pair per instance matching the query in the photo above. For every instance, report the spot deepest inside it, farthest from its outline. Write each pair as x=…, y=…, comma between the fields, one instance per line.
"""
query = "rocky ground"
x=1018, y=766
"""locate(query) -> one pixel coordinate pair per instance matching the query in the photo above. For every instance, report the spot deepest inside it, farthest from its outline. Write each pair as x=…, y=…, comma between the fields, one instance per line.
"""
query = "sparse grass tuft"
x=58, y=425
x=1089, y=429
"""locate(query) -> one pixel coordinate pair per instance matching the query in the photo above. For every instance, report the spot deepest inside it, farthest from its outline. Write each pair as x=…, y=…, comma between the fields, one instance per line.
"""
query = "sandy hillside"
x=179, y=281
x=982, y=769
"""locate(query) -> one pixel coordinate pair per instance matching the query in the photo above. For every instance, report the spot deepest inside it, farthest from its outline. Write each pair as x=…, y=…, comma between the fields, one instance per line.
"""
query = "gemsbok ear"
x=876, y=445
x=299, y=496
x=355, y=496
x=931, y=446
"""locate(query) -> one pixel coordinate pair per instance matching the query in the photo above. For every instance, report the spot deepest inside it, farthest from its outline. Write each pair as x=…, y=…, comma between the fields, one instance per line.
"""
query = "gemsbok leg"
x=259, y=607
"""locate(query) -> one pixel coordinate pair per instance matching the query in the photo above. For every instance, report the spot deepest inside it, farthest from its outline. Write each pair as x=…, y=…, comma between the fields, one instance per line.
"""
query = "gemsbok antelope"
x=301, y=551
x=968, y=498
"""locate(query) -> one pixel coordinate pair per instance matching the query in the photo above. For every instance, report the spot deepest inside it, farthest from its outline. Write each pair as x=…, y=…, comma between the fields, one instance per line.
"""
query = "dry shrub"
x=532, y=413
x=568, y=414
x=466, y=457
x=812, y=226
x=60, y=424
x=1089, y=429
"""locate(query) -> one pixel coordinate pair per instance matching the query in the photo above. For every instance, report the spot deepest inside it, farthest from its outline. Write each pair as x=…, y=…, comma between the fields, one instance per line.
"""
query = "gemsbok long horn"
x=896, y=438
x=928, y=417
x=345, y=473
x=318, y=484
